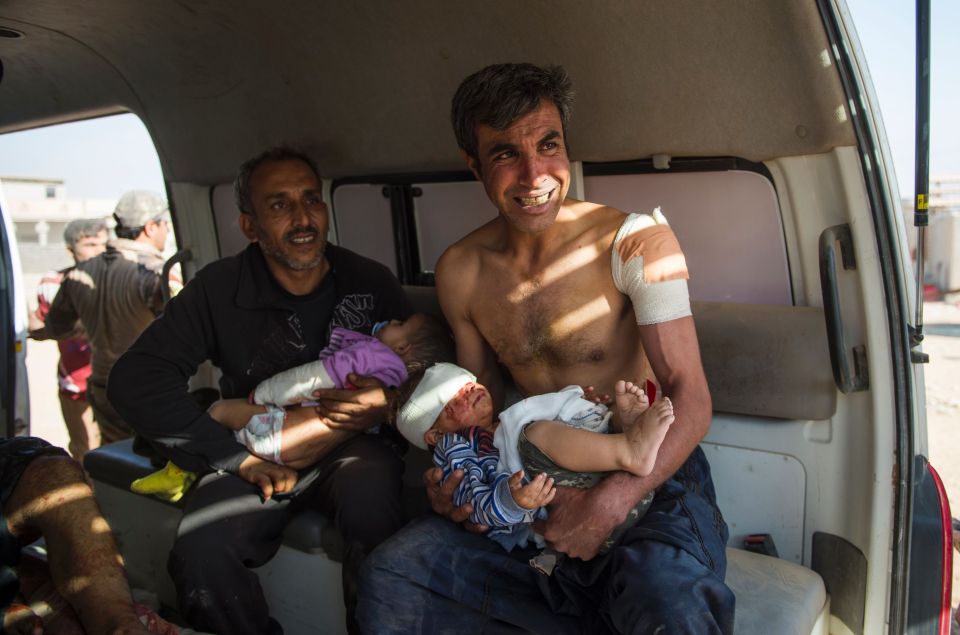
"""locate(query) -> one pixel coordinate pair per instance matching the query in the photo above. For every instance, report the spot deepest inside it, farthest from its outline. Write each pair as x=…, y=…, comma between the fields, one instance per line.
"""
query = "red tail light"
x=946, y=522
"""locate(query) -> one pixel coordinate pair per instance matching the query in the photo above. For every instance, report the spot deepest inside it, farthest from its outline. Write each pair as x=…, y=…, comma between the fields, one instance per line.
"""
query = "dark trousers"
x=226, y=529
x=664, y=575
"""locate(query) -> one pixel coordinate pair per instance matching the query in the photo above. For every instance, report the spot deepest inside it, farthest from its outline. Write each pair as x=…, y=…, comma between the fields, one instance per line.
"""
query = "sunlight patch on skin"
x=580, y=317
x=77, y=584
x=556, y=271
x=59, y=496
x=99, y=525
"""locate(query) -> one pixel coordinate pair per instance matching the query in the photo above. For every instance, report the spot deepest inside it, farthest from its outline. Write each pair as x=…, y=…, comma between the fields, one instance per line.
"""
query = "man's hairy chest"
x=559, y=323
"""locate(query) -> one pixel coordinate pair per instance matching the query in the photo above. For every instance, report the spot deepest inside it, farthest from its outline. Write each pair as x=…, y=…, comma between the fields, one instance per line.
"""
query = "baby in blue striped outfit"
x=561, y=435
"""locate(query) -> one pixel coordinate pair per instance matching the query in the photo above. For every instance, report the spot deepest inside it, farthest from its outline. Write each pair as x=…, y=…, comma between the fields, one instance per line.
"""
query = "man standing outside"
x=84, y=238
x=563, y=292
x=115, y=296
x=267, y=309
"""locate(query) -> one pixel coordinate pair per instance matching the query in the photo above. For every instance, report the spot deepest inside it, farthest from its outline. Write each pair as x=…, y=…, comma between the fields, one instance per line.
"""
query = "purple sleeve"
x=368, y=357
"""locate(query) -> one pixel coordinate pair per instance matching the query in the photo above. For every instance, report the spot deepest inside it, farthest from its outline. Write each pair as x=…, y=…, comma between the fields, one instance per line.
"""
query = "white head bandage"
x=439, y=385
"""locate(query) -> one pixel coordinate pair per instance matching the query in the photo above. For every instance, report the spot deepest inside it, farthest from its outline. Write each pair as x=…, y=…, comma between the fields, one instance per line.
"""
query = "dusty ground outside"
x=942, y=343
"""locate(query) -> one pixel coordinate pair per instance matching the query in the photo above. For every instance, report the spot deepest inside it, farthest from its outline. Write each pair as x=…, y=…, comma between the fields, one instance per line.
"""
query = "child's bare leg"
x=645, y=433
x=630, y=401
x=580, y=450
x=234, y=413
x=634, y=450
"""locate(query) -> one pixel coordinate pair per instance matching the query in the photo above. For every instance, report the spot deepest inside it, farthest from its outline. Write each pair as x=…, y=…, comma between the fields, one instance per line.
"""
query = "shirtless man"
x=535, y=290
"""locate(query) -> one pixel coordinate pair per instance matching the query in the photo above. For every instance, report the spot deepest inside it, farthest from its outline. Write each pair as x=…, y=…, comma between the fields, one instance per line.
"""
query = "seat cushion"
x=773, y=595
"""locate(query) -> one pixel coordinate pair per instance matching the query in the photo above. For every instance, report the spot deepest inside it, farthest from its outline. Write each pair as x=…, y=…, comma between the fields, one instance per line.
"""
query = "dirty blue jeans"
x=664, y=575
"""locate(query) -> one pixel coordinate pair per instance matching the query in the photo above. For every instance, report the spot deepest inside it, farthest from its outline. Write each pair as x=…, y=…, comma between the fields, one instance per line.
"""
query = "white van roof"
x=366, y=86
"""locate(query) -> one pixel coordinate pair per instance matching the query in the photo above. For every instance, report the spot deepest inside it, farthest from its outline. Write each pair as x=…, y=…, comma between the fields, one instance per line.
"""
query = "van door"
x=14, y=398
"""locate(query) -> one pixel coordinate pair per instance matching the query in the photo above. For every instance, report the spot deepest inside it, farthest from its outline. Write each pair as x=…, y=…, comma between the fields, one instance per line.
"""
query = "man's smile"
x=302, y=237
x=535, y=201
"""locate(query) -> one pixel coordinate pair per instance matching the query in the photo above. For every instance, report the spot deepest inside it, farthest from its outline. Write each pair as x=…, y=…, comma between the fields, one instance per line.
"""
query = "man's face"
x=289, y=217
x=89, y=246
x=524, y=168
x=160, y=228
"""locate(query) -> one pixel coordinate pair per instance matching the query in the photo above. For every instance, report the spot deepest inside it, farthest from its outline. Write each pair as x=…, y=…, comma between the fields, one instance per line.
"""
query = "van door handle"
x=849, y=377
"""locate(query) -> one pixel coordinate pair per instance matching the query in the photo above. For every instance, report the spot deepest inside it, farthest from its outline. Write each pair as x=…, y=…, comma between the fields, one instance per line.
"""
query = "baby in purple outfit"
x=394, y=349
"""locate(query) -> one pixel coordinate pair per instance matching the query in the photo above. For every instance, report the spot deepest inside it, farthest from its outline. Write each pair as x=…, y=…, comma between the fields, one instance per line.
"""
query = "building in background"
x=40, y=211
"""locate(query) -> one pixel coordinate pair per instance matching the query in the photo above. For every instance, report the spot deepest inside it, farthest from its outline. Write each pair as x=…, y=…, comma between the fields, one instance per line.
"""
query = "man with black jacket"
x=267, y=309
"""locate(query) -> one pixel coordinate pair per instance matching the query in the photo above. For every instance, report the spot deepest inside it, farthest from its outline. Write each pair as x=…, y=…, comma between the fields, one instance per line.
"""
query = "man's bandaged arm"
x=649, y=268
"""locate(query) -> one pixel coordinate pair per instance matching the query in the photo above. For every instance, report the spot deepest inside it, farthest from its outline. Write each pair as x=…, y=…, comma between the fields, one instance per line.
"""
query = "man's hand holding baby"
x=353, y=410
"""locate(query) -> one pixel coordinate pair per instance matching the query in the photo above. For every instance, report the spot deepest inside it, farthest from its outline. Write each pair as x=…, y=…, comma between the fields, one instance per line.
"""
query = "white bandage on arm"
x=263, y=434
x=293, y=385
x=649, y=268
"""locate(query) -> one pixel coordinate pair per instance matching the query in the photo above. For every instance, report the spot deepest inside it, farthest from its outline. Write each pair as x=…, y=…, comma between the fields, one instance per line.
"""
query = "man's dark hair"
x=430, y=344
x=241, y=186
x=129, y=233
x=499, y=94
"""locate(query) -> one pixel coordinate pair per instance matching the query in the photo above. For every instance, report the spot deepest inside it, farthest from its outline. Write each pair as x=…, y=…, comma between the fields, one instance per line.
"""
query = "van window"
x=363, y=218
x=715, y=214
x=51, y=176
x=445, y=212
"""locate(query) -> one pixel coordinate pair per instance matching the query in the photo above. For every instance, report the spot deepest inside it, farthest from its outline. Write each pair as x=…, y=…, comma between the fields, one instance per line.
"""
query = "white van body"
x=15, y=400
x=751, y=124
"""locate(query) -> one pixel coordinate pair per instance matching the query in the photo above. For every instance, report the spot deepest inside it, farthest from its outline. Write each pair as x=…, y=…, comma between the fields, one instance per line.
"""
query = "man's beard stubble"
x=276, y=250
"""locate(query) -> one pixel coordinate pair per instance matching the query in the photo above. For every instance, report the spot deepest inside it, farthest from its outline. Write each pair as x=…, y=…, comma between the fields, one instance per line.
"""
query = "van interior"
x=750, y=124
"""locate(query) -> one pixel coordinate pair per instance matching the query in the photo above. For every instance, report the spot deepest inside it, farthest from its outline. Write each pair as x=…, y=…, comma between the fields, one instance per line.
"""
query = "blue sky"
x=103, y=158
x=887, y=34
x=98, y=158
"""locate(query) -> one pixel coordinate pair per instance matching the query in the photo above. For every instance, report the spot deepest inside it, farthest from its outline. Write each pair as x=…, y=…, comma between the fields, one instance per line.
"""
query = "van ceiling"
x=365, y=86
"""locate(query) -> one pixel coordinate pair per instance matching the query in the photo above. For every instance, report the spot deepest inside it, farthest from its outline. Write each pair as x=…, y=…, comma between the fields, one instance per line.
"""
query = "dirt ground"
x=942, y=343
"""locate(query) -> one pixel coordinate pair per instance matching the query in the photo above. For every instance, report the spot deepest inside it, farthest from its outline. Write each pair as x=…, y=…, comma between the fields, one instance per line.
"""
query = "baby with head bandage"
x=559, y=435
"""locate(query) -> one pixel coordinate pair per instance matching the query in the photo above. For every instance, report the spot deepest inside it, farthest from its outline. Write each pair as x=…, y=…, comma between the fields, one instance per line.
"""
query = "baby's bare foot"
x=645, y=434
x=630, y=401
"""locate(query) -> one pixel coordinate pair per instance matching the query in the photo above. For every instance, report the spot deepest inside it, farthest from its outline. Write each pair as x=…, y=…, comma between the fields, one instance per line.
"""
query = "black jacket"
x=234, y=314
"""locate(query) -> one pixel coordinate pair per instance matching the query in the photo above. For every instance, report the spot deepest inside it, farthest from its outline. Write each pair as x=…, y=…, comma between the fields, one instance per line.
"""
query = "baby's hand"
x=536, y=493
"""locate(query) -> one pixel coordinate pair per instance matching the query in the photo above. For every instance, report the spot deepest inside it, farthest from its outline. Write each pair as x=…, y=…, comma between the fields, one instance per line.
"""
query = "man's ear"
x=431, y=437
x=247, y=226
x=472, y=163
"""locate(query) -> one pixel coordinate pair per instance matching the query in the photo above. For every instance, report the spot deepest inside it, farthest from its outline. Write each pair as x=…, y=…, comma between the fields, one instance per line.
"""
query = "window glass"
x=446, y=212
x=364, y=223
